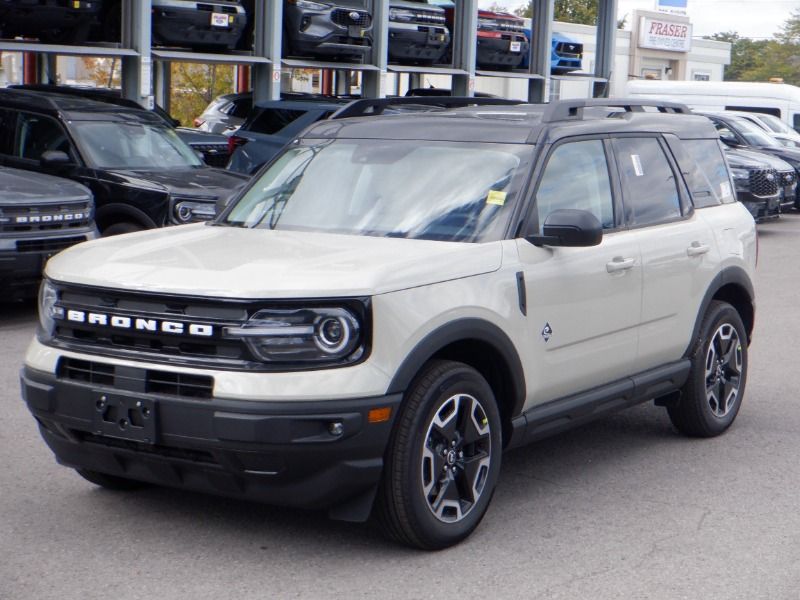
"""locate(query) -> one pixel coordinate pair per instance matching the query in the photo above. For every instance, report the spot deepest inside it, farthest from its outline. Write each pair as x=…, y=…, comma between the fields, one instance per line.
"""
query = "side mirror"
x=54, y=159
x=569, y=227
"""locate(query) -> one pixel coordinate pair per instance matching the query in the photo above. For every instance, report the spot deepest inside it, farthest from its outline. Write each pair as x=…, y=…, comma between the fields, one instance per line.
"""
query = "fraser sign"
x=662, y=34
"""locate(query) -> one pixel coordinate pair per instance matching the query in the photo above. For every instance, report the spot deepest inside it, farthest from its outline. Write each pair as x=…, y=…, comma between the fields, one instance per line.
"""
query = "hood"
x=25, y=188
x=203, y=182
x=790, y=155
x=748, y=159
x=232, y=262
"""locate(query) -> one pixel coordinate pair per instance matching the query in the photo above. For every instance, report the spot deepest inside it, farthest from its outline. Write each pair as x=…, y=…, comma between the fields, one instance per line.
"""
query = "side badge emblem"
x=547, y=332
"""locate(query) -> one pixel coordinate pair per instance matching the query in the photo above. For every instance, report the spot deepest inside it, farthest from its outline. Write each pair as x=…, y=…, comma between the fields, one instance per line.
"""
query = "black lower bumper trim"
x=317, y=455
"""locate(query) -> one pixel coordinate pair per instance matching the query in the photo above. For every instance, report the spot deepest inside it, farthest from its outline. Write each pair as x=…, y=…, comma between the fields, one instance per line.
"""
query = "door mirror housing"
x=569, y=227
x=54, y=159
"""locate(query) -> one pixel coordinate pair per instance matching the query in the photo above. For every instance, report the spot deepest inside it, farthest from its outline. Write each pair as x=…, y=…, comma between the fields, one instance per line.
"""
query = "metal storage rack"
x=144, y=72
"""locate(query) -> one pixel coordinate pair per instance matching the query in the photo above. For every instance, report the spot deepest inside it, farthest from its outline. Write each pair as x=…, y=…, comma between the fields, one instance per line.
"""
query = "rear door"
x=679, y=253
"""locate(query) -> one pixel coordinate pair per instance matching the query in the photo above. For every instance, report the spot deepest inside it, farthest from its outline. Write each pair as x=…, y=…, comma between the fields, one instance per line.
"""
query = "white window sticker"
x=725, y=190
x=637, y=165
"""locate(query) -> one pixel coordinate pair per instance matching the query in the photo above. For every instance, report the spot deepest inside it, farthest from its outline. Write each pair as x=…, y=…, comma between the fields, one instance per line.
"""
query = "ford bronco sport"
x=396, y=300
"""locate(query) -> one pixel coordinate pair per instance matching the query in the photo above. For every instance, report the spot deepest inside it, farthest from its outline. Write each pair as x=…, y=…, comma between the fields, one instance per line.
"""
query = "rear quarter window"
x=272, y=120
x=709, y=181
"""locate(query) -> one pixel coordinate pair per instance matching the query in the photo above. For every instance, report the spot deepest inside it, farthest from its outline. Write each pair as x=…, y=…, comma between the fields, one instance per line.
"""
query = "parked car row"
x=420, y=32
x=131, y=169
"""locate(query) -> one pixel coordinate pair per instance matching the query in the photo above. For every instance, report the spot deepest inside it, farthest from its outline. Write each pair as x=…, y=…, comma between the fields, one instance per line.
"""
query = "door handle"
x=697, y=249
x=620, y=264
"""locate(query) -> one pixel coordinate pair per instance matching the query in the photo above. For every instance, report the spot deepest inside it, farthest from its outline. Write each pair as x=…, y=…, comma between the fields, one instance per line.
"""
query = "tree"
x=746, y=54
x=570, y=11
x=195, y=85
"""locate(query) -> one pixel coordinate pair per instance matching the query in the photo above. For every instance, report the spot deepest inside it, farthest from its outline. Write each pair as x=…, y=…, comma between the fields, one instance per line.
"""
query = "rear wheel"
x=712, y=395
x=443, y=459
x=110, y=482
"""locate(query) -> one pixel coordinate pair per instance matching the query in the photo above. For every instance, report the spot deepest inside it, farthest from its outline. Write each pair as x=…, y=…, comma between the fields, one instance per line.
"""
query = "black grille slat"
x=152, y=381
x=48, y=244
x=197, y=456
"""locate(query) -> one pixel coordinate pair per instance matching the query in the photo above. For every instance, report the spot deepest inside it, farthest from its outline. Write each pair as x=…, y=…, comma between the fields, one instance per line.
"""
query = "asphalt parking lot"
x=622, y=508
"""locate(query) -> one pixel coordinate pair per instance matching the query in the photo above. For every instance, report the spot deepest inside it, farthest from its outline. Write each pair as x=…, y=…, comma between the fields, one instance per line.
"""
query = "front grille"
x=426, y=18
x=342, y=16
x=48, y=245
x=187, y=454
x=763, y=182
x=149, y=381
x=45, y=218
x=217, y=8
x=569, y=50
x=214, y=155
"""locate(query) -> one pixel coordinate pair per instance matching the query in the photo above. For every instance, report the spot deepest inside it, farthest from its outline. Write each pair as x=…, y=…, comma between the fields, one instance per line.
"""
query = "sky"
x=751, y=18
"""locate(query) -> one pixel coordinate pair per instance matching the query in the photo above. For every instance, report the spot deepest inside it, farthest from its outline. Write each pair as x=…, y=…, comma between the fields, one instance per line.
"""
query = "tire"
x=712, y=395
x=120, y=228
x=449, y=423
x=110, y=482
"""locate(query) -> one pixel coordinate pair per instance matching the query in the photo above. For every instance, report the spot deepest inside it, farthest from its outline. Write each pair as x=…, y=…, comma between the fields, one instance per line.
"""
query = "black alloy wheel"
x=443, y=458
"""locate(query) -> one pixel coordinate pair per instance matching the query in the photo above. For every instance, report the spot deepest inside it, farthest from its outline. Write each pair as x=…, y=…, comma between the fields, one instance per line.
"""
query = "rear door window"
x=650, y=190
x=272, y=120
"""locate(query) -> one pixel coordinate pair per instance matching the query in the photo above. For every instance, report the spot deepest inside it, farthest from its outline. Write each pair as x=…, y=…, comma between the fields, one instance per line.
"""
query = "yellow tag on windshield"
x=495, y=197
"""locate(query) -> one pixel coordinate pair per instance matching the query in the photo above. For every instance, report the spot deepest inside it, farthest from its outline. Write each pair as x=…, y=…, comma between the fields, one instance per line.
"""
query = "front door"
x=583, y=304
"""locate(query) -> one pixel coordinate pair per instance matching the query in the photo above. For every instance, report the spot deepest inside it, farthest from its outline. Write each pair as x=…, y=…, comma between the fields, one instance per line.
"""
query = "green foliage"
x=194, y=86
x=571, y=11
x=760, y=60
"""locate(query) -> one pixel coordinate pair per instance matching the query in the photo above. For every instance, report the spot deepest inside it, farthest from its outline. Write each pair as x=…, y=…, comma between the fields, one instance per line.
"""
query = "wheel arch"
x=481, y=345
x=114, y=213
x=734, y=286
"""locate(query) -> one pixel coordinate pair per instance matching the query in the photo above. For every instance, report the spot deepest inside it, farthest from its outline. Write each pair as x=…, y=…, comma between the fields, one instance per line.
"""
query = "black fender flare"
x=120, y=212
x=463, y=330
x=730, y=275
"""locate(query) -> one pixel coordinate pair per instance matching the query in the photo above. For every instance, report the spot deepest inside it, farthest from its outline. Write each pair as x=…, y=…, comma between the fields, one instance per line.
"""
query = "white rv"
x=777, y=99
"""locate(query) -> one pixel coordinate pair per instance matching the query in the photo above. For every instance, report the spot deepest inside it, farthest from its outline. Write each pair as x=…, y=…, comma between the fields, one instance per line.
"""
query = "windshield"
x=411, y=189
x=776, y=125
x=753, y=134
x=115, y=145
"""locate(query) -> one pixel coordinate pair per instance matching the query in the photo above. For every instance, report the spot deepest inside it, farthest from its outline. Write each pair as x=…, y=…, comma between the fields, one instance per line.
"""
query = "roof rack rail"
x=376, y=106
x=564, y=110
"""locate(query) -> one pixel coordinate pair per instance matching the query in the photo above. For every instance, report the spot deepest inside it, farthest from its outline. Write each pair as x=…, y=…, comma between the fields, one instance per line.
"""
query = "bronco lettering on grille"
x=139, y=324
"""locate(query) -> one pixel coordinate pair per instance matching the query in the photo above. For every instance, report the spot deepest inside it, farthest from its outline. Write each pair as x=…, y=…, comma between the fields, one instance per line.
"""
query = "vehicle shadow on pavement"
x=17, y=312
x=529, y=475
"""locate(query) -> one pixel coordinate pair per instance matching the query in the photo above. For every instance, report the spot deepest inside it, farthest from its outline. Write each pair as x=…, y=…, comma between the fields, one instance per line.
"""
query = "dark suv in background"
x=141, y=173
x=213, y=147
x=52, y=21
x=764, y=184
x=340, y=30
x=39, y=216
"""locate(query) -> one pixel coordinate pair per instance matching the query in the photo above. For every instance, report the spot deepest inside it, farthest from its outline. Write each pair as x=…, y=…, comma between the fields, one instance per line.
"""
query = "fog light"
x=336, y=428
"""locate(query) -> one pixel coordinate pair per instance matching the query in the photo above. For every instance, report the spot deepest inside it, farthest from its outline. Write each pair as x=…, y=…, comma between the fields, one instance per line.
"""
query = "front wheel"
x=712, y=395
x=443, y=459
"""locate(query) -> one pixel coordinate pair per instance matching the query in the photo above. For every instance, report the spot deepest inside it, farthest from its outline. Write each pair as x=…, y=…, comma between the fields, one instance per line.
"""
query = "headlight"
x=48, y=296
x=191, y=211
x=740, y=174
x=307, y=5
x=398, y=14
x=302, y=335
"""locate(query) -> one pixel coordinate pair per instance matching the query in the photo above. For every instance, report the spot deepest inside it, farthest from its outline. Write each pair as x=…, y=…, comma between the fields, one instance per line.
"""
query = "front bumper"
x=410, y=42
x=23, y=257
x=188, y=25
x=275, y=452
x=763, y=209
x=495, y=52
